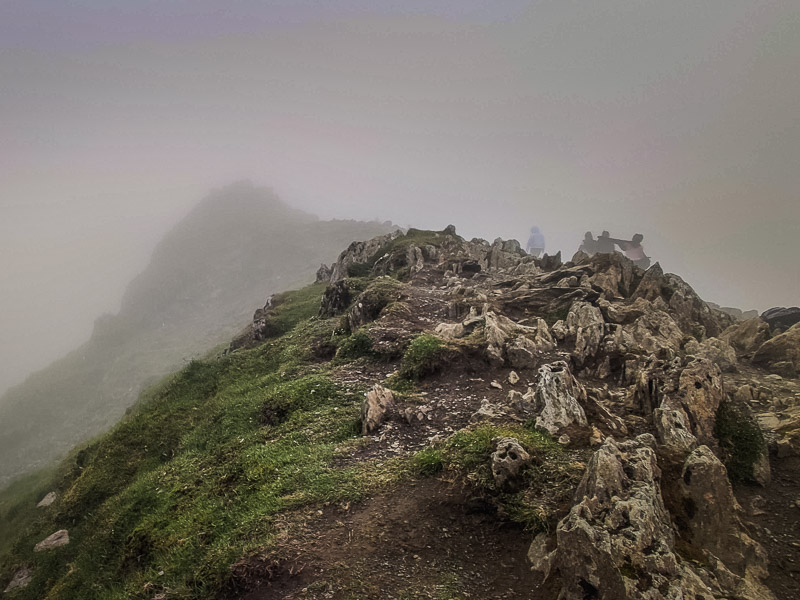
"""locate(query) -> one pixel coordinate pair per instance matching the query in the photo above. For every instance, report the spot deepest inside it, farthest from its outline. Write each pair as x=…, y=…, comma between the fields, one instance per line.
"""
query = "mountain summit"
x=237, y=246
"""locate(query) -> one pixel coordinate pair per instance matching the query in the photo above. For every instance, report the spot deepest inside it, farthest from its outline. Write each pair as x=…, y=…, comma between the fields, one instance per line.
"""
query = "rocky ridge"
x=641, y=436
x=632, y=362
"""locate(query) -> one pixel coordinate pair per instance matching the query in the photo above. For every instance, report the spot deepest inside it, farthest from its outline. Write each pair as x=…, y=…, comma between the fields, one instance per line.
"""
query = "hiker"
x=589, y=244
x=604, y=243
x=535, y=246
x=633, y=250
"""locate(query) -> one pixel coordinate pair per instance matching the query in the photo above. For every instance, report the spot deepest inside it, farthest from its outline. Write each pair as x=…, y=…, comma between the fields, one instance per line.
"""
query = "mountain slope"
x=235, y=248
x=432, y=428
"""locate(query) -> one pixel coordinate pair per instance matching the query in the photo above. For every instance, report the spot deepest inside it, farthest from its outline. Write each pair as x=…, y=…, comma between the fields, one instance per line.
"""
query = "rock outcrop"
x=508, y=460
x=377, y=403
x=781, y=354
x=556, y=398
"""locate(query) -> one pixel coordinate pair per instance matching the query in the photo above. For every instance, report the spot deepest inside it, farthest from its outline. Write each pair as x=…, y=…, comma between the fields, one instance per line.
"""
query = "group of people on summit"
x=604, y=243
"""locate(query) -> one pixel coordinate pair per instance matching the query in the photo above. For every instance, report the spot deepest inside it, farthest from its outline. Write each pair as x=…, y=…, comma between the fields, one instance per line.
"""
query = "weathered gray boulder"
x=520, y=344
x=508, y=460
x=59, y=538
x=780, y=319
x=586, y=325
x=781, y=354
x=617, y=541
x=377, y=403
x=717, y=350
x=556, y=398
x=713, y=512
x=359, y=253
x=746, y=336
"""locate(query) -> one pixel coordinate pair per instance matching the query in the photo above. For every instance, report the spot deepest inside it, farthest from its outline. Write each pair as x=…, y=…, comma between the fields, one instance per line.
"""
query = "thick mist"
x=677, y=120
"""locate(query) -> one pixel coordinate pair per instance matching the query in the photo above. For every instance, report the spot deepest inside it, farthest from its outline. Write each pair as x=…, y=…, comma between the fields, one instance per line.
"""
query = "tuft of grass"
x=424, y=356
x=428, y=462
x=740, y=440
x=357, y=345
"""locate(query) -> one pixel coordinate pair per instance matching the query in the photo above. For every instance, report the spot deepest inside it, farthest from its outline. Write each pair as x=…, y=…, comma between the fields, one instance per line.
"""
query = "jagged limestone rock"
x=556, y=398
x=59, y=538
x=717, y=350
x=508, y=460
x=781, y=354
x=359, y=253
x=746, y=336
x=585, y=323
x=713, y=516
x=520, y=344
x=618, y=543
x=324, y=274
x=377, y=402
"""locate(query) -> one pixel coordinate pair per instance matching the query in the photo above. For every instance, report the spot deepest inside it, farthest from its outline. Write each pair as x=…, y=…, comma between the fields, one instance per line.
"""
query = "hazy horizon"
x=674, y=120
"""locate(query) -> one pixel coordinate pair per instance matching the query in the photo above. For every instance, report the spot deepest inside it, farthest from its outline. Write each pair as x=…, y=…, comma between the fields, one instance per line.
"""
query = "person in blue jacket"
x=535, y=246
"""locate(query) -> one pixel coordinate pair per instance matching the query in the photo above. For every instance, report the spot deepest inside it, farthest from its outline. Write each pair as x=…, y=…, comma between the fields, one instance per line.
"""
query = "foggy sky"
x=675, y=119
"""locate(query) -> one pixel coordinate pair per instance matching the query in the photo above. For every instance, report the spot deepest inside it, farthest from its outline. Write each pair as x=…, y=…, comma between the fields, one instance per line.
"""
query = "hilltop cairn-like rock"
x=618, y=540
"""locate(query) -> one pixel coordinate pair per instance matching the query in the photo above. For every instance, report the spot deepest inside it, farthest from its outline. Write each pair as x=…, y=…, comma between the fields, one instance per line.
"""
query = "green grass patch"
x=195, y=476
x=424, y=356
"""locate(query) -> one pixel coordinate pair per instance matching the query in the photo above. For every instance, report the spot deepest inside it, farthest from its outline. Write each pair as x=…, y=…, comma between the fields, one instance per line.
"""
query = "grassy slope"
x=194, y=477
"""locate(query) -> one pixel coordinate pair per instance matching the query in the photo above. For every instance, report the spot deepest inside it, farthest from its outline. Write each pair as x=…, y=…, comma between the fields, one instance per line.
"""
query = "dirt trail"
x=428, y=540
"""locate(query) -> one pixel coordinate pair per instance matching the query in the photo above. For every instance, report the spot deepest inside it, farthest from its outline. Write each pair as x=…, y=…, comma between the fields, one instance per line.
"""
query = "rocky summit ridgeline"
x=443, y=418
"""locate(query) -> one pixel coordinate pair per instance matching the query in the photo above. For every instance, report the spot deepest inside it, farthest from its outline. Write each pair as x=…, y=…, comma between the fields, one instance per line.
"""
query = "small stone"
x=513, y=378
x=564, y=440
x=47, y=500
x=59, y=538
x=508, y=459
x=496, y=385
x=20, y=580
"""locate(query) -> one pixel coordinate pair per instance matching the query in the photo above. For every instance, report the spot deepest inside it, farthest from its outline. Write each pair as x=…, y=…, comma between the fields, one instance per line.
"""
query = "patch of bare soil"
x=430, y=539
x=775, y=513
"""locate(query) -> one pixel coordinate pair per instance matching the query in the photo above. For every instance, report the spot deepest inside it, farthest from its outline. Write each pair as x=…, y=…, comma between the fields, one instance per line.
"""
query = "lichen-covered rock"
x=717, y=350
x=713, y=516
x=617, y=542
x=781, y=354
x=55, y=540
x=359, y=253
x=556, y=398
x=700, y=391
x=746, y=336
x=585, y=323
x=520, y=344
x=377, y=403
x=508, y=460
